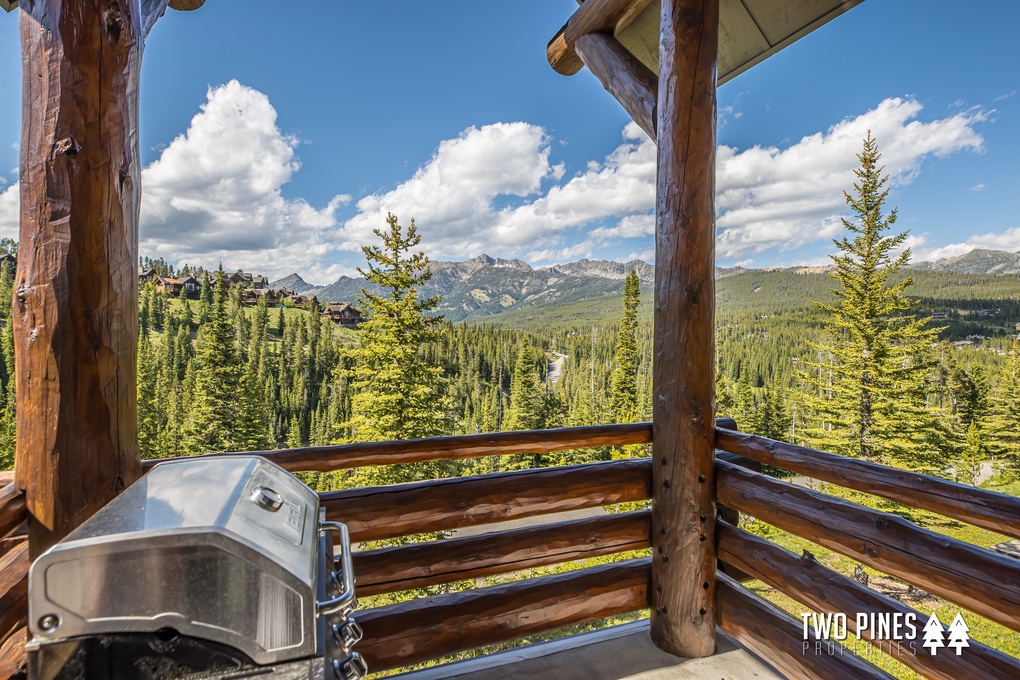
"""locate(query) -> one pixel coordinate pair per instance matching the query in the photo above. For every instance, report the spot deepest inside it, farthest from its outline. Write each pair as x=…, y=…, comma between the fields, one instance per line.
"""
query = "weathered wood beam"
x=14, y=590
x=775, y=636
x=986, y=509
x=980, y=580
x=75, y=304
x=328, y=458
x=12, y=654
x=427, y=564
x=683, y=514
x=632, y=83
x=440, y=505
x=419, y=630
x=807, y=581
x=12, y=508
x=594, y=16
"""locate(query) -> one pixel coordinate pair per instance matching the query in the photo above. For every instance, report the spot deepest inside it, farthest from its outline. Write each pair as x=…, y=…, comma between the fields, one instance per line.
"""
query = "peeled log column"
x=75, y=302
x=683, y=512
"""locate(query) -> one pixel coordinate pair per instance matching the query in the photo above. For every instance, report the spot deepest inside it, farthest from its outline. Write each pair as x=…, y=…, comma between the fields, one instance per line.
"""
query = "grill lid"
x=222, y=549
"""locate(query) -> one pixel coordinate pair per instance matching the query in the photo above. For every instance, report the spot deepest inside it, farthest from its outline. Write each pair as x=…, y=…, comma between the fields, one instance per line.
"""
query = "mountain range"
x=485, y=286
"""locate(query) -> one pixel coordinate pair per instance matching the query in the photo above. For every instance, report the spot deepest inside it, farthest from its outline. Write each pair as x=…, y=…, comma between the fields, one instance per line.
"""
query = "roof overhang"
x=750, y=31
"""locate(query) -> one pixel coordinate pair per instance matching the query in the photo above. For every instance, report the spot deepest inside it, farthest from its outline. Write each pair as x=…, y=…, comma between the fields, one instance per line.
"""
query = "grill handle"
x=345, y=602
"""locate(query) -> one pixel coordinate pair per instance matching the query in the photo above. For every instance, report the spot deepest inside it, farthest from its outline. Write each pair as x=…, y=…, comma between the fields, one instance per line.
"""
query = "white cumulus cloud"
x=9, y=212
x=785, y=198
x=215, y=193
x=1008, y=240
x=460, y=197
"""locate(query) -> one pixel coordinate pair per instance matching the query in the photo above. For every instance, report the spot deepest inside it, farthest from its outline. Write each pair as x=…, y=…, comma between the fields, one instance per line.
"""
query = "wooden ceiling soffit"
x=9, y=5
x=750, y=31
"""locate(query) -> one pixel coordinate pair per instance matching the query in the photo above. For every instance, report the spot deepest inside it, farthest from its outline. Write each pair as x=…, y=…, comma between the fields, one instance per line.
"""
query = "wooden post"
x=75, y=301
x=683, y=514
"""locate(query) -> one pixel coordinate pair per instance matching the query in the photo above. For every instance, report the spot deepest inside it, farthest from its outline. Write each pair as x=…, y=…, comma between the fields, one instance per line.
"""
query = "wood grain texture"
x=426, y=564
x=826, y=591
x=14, y=590
x=12, y=508
x=593, y=16
x=75, y=310
x=986, y=509
x=683, y=514
x=775, y=636
x=632, y=83
x=440, y=505
x=12, y=654
x=980, y=580
x=419, y=630
x=329, y=458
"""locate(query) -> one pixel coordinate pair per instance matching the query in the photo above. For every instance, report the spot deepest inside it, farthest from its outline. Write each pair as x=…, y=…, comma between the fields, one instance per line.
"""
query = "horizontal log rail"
x=330, y=458
x=427, y=564
x=374, y=513
x=419, y=630
x=14, y=590
x=823, y=590
x=12, y=508
x=12, y=654
x=986, y=509
x=972, y=577
x=777, y=637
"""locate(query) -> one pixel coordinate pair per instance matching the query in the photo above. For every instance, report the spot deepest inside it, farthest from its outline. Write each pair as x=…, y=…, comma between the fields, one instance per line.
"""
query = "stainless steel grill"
x=204, y=567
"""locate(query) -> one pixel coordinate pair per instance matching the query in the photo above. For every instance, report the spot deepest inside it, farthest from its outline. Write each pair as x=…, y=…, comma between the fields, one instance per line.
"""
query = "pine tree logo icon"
x=959, y=634
x=934, y=636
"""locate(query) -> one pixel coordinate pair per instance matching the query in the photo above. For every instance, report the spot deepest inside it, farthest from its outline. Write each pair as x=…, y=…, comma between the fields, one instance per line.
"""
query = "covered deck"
x=663, y=61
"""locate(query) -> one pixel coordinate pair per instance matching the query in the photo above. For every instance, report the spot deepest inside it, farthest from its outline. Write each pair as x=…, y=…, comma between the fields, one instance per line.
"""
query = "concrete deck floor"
x=619, y=653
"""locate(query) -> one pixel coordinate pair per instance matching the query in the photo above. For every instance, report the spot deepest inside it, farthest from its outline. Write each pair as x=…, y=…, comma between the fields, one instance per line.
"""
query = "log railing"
x=14, y=564
x=431, y=627
x=976, y=579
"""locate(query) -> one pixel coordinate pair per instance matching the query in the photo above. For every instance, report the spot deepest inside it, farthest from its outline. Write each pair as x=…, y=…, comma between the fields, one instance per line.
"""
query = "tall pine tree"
x=867, y=390
x=215, y=409
x=396, y=392
x=623, y=389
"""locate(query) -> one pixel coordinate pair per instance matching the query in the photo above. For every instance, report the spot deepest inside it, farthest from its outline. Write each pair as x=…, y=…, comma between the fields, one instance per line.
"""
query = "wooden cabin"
x=168, y=284
x=342, y=313
x=252, y=296
x=662, y=60
x=191, y=287
x=299, y=300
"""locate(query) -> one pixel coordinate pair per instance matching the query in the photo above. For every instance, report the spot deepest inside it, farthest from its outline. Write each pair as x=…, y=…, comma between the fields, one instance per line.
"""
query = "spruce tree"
x=215, y=410
x=1004, y=424
x=396, y=391
x=525, y=411
x=867, y=390
x=623, y=389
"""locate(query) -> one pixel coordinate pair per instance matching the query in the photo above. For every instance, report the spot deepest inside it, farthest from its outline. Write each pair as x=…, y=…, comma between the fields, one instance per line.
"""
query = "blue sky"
x=276, y=140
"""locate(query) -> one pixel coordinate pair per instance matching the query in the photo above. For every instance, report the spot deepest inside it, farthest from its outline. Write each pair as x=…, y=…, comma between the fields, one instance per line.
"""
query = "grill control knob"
x=266, y=498
x=351, y=668
x=347, y=635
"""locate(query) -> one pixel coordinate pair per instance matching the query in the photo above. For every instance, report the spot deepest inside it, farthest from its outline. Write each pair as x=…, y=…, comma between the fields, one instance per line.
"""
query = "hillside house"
x=343, y=313
x=239, y=278
x=253, y=295
x=191, y=287
x=299, y=301
x=146, y=275
x=169, y=285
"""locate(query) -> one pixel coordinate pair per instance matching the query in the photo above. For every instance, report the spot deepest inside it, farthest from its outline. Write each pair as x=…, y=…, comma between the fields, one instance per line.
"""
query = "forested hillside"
x=278, y=376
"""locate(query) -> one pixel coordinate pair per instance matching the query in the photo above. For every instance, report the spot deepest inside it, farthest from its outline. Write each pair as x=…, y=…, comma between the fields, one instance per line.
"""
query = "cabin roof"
x=750, y=31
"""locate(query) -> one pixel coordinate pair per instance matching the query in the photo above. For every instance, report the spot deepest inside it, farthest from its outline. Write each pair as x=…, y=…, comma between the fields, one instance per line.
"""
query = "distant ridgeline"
x=287, y=373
